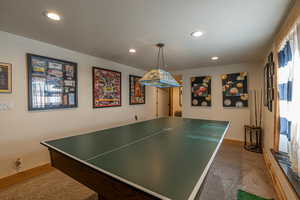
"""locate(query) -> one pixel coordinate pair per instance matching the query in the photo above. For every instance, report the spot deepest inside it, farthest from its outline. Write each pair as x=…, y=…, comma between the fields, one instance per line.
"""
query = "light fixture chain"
x=163, y=58
x=159, y=78
x=158, y=58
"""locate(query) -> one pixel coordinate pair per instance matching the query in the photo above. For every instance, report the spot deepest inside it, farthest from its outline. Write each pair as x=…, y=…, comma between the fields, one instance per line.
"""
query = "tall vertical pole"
x=261, y=105
x=255, y=108
x=251, y=107
x=156, y=102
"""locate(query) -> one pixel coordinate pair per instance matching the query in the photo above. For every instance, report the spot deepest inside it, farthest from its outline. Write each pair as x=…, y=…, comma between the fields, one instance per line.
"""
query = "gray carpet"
x=233, y=169
x=53, y=185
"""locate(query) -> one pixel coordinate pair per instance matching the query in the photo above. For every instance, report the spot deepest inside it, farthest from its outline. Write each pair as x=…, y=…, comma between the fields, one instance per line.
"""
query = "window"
x=289, y=98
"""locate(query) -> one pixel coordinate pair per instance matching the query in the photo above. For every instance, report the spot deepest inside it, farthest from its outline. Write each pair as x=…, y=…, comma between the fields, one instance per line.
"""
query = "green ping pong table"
x=165, y=158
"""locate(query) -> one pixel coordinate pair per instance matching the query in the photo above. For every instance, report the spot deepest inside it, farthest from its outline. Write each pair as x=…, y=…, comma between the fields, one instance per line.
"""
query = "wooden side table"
x=254, y=134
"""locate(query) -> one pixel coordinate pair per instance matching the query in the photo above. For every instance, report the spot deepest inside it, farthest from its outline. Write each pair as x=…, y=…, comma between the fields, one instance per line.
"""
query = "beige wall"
x=21, y=131
x=237, y=116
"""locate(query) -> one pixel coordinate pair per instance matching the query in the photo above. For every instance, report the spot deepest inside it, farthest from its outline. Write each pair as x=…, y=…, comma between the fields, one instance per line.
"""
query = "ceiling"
x=236, y=31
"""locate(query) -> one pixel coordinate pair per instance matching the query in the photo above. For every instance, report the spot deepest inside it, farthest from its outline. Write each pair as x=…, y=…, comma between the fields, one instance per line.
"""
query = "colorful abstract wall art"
x=106, y=88
x=235, y=90
x=136, y=91
x=201, y=91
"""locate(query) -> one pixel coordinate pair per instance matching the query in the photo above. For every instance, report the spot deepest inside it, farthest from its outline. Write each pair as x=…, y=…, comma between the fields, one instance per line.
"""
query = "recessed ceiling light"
x=132, y=51
x=53, y=16
x=215, y=58
x=197, y=34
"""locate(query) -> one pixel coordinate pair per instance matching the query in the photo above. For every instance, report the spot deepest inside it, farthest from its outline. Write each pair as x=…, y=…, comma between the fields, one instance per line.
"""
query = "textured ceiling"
x=235, y=30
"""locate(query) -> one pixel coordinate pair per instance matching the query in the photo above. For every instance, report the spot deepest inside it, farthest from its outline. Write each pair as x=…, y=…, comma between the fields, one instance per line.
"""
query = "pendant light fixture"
x=159, y=77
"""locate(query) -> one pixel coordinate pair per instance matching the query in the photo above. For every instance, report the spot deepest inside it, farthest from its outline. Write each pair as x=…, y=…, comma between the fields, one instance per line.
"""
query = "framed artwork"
x=136, y=91
x=52, y=83
x=266, y=84
x=5, y=78
x=201, y=91
x=235, y=90
x=271, y=63
x=106, y=88
x=269, y=82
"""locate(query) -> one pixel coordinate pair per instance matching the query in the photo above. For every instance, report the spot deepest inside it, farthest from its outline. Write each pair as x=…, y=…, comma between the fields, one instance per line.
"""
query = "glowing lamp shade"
x=159, y=78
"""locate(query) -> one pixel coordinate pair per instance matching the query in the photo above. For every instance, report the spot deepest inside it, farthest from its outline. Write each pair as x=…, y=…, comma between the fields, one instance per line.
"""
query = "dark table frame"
x=107, y=187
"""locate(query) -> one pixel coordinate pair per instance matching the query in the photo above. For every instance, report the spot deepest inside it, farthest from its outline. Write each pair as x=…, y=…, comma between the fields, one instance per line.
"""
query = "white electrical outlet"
x=5, y=106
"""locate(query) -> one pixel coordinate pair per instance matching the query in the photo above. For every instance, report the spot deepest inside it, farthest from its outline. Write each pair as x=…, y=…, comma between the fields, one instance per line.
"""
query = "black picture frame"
x=270, y=57
x=5, y=77
x=266, y=71
x=235, y=90
x=201, y=91
x=272, y=66
x=132, y=90
x=96, y=91
x=62, y=80
x=269, y=71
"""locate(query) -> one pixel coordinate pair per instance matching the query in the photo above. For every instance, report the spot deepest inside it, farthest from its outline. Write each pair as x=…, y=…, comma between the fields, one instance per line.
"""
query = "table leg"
x=100, y=197
x=260, y=139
